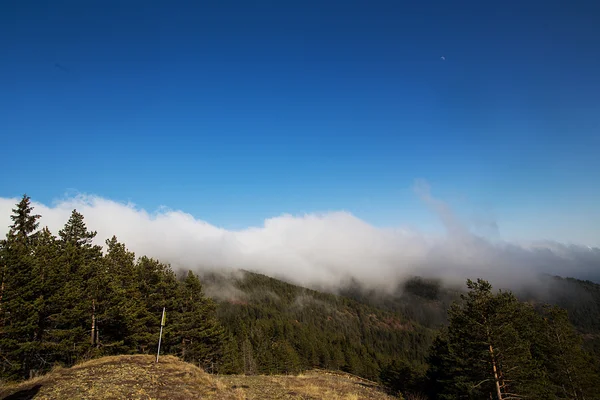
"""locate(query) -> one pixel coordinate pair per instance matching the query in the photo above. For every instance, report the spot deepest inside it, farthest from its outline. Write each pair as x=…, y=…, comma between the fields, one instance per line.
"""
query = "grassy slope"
x=138, y=377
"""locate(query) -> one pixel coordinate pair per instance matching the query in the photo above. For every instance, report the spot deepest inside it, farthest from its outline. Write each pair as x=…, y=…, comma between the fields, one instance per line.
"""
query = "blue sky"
x=241, y=111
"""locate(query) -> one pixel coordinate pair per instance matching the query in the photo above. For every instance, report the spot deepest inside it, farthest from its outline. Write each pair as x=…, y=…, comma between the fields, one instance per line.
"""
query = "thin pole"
x=162, y=323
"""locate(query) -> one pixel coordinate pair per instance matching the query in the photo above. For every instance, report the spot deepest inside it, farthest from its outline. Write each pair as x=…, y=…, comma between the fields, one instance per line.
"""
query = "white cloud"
x=320, y=249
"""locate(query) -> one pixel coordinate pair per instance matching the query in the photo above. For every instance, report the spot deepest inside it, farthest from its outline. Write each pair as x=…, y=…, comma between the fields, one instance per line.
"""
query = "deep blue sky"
x=249, y=109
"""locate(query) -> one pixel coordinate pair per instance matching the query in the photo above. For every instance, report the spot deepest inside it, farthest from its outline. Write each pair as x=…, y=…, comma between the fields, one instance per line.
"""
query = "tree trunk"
x=562, y=353
x=2, y=289
x=496, y=377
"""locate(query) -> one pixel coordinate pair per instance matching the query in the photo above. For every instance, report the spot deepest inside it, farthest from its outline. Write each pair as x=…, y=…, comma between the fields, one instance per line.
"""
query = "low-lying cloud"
x=321, y=250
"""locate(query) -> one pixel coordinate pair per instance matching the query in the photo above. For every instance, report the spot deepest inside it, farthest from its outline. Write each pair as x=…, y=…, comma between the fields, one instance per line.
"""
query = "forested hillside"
x=64, y=299
x=279, y=327
x=427, y=301
x=402, y=337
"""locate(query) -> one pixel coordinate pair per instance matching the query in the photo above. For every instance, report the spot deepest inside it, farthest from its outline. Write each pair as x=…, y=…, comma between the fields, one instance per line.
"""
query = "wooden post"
x=93, y=336
x=162, y=323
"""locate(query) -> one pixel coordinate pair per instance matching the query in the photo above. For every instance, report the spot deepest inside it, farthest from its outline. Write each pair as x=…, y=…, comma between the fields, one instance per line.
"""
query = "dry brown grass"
x=415, y=396
x=311, y=385
x=122, y=377
x=139, y=377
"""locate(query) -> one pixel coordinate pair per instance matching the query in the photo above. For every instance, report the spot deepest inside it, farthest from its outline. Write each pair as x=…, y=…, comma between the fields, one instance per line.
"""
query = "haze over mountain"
x=325, y=250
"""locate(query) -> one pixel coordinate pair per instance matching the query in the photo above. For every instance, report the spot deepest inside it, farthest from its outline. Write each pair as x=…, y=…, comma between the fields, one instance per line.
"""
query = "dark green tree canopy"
x=25, y=222
x=75, y=232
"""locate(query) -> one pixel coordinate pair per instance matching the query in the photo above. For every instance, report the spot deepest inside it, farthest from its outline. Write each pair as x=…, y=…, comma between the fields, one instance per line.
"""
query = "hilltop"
x=138, y=377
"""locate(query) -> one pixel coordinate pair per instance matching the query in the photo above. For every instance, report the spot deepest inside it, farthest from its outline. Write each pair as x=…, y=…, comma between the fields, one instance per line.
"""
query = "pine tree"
x=157, y=286
x=24, y=223
x=196, y=328
x=442, y=369
x=249, y=362
x=75, y=232
x=19, y=291
x=115, y=300
x=49, y=283
x=400, y=376
x=231, y=361
x=570, y=369
x=486, y=350
x=81, y=266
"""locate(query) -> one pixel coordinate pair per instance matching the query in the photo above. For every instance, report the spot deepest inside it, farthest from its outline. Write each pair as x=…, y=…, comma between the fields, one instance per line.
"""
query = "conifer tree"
x=486, y=349
x=115, y=300
x=442, y=370
x=75, y=232
x=157, y=287
x=81, y=265
x=49, y=282
x=24, y=223
x=19, y=290
x=559, y=347
x=196, y=328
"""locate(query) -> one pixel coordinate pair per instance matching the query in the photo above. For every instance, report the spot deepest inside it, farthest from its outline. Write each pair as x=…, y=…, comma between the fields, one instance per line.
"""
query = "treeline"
x=63, y=300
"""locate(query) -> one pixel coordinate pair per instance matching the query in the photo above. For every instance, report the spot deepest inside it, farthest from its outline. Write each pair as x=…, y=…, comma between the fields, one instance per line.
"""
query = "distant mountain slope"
x=580, y=298
x=277, y=327
x=425, y=301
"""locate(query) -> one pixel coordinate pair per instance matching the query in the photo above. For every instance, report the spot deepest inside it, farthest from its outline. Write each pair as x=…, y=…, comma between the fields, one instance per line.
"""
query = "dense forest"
x=64, y=299
x=279, y=327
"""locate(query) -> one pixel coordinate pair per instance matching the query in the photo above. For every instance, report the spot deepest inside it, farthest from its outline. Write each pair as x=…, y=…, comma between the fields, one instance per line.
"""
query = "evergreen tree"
x=82, y=270
x=400, y=376
x=196, y=330
x=116, y=301
x=249, y=362
x=24, y=223
x=486, y=349
x=75, y=232
x=570, y=369
x=442, y=368
x=19, y=292
x=231, y=361
x=158, y=287
x=49, y=282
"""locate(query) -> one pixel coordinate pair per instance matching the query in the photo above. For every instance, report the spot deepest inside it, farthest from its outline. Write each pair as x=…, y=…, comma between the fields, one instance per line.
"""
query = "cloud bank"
x=321, y=250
